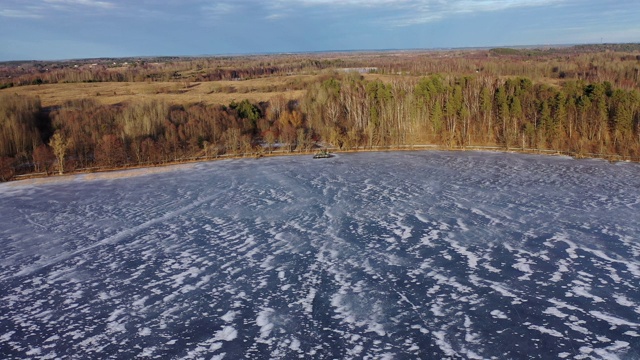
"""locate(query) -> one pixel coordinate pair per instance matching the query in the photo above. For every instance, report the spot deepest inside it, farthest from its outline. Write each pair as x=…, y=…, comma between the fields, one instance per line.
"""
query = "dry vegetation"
x=110, y=113
x=178, y=93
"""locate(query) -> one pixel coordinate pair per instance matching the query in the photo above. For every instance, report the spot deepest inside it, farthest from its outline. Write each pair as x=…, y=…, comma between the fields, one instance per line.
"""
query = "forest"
x=582, y=100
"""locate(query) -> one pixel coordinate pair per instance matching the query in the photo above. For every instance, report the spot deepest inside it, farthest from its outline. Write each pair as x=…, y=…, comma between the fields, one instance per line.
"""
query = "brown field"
x=214, y=92
x=183, y=93
x=178, y=93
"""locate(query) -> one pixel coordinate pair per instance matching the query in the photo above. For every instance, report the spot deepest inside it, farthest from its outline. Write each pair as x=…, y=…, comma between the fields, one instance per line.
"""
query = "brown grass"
x=214, y=92
x=178, y=93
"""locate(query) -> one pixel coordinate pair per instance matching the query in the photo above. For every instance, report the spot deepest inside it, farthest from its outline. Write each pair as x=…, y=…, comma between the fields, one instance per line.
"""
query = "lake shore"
x=333, y=150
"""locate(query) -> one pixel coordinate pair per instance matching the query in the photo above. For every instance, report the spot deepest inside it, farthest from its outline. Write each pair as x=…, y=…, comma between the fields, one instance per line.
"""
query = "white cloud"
x=428, y=11
x=19, y=14
x=411, y=12
x=365, y=3
x=89, y=3
x=497, y=5
x=451, y=4
x=37, y=9
x=218, y=9
x=276, y=16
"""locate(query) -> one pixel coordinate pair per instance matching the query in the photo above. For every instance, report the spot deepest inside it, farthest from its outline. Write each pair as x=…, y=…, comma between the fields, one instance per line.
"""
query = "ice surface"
x=380, y=255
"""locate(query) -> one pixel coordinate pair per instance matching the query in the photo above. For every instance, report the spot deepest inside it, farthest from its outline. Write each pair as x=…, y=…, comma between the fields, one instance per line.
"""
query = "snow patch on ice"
x=583, y=291
x=6, y=336
x=497, y=314
x=555, y=312
x=523, y=266
x=228, y=333
x=609, y=352
x=229, y=316
x=443, y=344
x=544, y=330
x=472, y=259
x=295, y=344
x=264, y=322
x=613, y=320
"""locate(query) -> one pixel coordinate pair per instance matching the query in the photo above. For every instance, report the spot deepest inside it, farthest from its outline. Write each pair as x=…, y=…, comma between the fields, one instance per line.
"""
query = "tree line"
x=344, y=110
x=578, y=117
x=164, y=70
x=618, y=64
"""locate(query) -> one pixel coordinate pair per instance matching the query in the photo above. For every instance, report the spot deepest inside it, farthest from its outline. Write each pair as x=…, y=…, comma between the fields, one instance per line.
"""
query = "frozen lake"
x=378, y=255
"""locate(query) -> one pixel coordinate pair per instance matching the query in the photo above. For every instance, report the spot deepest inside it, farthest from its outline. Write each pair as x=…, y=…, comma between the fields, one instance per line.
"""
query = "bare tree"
x=43, y=158
x=60, y=145
x=6, y=168
x=270, y=139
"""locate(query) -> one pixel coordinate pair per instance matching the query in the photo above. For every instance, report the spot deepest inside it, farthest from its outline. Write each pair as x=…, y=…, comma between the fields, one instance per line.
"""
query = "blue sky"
x=64, y=29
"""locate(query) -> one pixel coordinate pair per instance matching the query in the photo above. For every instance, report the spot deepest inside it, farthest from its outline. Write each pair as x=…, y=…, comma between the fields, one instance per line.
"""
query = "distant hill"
x=574, y=49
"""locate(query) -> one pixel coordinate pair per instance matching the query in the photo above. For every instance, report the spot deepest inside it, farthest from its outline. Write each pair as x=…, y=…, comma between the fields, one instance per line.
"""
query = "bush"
x=7, y=171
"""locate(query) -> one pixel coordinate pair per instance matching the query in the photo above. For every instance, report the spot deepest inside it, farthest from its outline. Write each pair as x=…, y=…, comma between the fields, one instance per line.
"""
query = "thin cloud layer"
x=43, y=29
x=90, y=3
x=11, y=13
x=36, y=9
x=410, y=12
x=398, y=12
x=219, y=9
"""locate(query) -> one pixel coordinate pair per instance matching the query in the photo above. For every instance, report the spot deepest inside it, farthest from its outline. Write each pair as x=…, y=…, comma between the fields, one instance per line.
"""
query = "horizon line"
x=330, y=51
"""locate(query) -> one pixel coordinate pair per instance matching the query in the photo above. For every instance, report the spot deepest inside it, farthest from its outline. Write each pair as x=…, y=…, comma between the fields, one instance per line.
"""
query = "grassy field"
x=179, y=93
x=215, y=92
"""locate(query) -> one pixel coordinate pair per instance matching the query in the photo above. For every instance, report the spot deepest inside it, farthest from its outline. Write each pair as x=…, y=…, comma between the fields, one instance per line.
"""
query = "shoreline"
x=333, y=150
